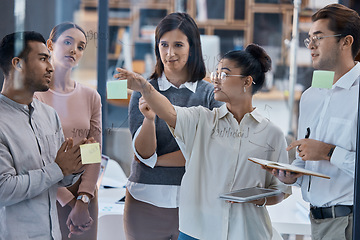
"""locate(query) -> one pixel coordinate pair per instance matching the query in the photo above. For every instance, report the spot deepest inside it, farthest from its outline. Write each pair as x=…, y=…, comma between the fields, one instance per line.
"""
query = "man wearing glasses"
x=331, y=117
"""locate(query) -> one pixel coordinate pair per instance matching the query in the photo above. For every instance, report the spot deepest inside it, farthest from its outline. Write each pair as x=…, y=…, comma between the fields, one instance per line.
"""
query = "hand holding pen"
x=311, y=149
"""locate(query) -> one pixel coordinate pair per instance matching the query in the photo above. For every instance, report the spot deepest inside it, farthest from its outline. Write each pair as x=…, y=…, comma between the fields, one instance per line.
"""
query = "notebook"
x=286, y=167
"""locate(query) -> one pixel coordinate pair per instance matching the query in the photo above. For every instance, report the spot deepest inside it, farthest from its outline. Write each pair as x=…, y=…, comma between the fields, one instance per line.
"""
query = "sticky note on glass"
x=116, y=89
x=322, y=79
x=90, y=153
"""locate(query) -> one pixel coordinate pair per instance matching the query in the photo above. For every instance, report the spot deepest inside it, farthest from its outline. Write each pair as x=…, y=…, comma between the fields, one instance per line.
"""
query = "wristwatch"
x=84, y=198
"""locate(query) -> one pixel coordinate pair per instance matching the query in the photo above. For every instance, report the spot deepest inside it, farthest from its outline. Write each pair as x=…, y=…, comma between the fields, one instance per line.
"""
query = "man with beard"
x=34, y=158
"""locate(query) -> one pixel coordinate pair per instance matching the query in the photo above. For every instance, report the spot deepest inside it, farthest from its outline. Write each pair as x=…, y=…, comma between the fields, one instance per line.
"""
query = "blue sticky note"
x=322, y=79
x=117, y=89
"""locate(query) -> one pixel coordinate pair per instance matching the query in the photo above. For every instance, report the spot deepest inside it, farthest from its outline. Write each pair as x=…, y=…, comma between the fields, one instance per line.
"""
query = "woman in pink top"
x=79, y=109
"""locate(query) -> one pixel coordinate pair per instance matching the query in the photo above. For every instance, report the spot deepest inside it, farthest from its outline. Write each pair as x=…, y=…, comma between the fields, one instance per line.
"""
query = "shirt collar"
x=255, y=113
x=257, y=116
x=223, y=111
x=349, y=78
x=165, y=84
x=22, y=107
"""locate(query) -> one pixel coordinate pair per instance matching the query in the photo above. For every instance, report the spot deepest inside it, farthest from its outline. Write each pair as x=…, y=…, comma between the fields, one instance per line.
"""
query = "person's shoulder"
x=88, y=92
x=203, y=84
x=310, y=95
x=4, y=107
x=309, y=92
x=45, y=110
x=152, y=80
x=205, y=89
x=48, y=114
x=272, y=132
x=86, y=89
x=274, y=128
x=42, y=95
x=265, y=123
x=154, y=83
x=38, y=104
x=202, y=111
x=197, y=108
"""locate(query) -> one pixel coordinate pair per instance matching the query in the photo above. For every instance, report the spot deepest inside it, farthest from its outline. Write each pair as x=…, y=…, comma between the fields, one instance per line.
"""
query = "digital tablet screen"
x=249, y=194
x=103, y=164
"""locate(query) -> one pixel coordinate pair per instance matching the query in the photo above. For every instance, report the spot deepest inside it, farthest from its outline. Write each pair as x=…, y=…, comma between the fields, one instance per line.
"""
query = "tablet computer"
x=249, y=194
x=103, y=164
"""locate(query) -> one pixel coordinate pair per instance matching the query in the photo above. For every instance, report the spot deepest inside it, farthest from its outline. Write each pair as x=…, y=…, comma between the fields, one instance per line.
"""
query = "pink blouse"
x=80, y=116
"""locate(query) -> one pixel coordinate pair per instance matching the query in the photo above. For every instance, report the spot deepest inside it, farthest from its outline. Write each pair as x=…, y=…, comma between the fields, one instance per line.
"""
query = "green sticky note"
x=322, y=79
x=116, y=89
x=90, y=153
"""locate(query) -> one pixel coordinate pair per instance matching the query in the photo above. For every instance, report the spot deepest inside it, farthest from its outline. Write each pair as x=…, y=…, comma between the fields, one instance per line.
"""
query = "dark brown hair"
x=342, y=20
x=253, y=61
x=182, y=21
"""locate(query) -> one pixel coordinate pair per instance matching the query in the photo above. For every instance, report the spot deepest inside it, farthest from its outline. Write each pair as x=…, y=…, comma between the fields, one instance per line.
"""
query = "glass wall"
x=224, y=25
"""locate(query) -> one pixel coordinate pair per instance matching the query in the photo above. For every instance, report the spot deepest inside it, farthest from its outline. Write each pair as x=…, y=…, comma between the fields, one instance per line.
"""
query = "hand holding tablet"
x=249, y=194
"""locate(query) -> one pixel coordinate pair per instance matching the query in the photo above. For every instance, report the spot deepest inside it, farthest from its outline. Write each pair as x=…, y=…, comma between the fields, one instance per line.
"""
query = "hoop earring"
x=244, y=90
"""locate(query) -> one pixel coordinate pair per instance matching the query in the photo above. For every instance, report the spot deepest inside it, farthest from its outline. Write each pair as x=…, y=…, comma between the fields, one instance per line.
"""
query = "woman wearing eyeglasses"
x=216, y=145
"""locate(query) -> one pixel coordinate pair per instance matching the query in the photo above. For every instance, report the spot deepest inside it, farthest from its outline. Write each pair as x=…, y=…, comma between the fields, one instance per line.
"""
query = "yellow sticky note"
x=90, y=153
x=116, y=89
x=322, y=79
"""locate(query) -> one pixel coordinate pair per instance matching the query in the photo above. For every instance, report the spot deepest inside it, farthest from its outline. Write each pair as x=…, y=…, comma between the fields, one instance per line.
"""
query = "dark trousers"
x=146, y=221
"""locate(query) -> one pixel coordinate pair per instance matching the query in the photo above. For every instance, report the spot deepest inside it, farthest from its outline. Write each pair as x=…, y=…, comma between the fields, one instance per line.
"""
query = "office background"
x=225, y=25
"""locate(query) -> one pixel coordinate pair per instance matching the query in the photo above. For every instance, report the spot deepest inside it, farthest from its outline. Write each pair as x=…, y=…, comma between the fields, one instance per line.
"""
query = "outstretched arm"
x=157, y=102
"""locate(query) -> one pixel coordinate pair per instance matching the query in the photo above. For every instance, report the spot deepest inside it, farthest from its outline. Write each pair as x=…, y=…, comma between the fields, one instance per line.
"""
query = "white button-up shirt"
x=216, y=149
x=331, y=115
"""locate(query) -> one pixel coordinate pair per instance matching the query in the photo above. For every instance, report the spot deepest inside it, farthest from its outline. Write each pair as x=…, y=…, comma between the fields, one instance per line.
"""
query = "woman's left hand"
x=146, y=110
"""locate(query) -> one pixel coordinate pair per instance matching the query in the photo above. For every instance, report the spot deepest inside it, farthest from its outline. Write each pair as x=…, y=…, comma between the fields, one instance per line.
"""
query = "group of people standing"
x=181, y=164
x=216, y=163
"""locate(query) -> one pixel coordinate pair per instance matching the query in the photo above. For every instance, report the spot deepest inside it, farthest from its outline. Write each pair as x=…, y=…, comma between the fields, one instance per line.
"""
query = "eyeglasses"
x=315, y=39
x=221, y=77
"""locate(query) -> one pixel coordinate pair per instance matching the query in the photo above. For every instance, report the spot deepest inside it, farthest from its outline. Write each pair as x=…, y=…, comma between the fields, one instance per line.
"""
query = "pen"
x=307, y=133
x=307, y=136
